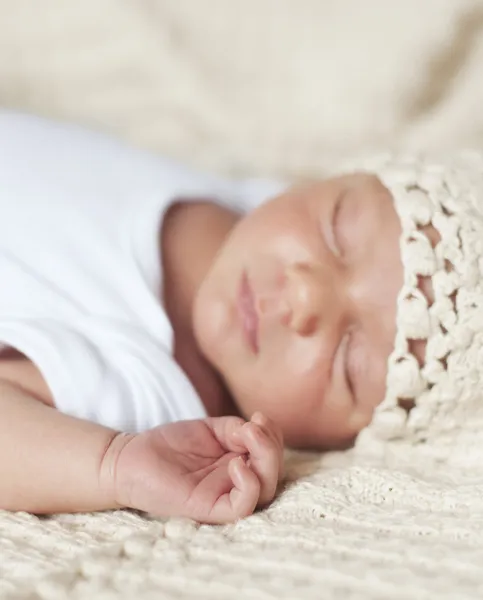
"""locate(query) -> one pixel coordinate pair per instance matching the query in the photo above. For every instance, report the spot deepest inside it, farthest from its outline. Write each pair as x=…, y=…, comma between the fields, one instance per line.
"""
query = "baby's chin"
x=320, y=444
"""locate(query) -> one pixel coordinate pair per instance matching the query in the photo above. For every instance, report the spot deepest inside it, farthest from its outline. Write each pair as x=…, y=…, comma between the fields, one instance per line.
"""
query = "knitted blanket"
x=278, y=88
x=340, y=529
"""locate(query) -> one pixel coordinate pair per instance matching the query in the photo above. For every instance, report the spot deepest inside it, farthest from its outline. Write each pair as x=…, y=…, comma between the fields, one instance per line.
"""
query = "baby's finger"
x=270, y=426
x=264, y=459
x=242, y=499
x=226, y=430
x=274, y=431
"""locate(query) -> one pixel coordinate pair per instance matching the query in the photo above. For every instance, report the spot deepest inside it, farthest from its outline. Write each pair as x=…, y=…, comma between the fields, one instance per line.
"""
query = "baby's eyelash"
x=347, y=369
x=335, y=225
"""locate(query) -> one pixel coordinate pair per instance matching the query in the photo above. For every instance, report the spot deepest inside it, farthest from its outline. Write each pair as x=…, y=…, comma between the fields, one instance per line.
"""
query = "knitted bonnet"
x=437, y=405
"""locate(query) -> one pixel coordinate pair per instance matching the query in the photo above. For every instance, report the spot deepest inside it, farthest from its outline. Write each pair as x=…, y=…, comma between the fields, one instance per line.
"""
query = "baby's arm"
x=212, y=470
x=49, y=462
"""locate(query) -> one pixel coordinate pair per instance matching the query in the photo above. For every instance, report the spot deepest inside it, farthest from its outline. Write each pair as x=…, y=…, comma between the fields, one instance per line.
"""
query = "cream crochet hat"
x=437, y=406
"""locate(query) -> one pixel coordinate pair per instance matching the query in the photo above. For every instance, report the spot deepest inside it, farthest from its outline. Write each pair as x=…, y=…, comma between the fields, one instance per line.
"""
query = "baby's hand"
x=215, y=470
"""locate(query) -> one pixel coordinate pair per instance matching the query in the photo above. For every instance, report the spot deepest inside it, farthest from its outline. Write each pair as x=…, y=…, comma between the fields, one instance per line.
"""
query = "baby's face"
x=298, y=311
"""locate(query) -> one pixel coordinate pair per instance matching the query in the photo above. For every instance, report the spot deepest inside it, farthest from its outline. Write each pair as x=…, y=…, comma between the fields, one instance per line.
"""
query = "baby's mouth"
x=248, y=313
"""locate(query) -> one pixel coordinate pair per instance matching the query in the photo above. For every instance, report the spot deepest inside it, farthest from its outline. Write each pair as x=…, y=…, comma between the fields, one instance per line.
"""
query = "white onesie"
x=80, y=275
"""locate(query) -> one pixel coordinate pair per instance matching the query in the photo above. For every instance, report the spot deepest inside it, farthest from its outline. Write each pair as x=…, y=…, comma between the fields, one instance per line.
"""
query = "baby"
x=165, y=333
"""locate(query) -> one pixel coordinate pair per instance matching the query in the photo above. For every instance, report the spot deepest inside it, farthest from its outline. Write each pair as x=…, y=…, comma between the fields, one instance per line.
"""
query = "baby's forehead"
x=365, y=184
x=359, y=179
x=339, y=180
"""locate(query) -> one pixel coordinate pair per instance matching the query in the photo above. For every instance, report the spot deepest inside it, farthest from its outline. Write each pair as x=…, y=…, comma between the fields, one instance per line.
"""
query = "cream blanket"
x=274, y=87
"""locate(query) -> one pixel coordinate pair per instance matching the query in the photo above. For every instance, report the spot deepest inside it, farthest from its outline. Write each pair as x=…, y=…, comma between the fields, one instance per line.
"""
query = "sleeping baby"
x=164, y=333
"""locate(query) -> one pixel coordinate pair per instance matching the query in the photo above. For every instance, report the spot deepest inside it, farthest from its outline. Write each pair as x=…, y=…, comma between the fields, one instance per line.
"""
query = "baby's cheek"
x=278, y=408
x=360, y=418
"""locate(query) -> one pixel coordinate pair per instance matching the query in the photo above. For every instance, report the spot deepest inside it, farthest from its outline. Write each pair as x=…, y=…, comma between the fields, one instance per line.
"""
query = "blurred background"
x=252, y=86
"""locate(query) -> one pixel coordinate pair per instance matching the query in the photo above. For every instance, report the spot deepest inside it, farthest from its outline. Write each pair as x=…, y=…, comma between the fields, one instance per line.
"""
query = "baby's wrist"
x=108, y=469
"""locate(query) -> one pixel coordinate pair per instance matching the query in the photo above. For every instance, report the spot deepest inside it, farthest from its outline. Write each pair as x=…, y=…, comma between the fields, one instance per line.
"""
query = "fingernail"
x=258, y=417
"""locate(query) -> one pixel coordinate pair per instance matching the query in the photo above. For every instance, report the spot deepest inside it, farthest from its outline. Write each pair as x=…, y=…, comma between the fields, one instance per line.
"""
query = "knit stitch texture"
x=280, y=88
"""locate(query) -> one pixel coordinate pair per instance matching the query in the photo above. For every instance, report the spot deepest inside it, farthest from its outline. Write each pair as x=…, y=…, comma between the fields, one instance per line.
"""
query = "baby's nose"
x=304, y=300
x=309, y=297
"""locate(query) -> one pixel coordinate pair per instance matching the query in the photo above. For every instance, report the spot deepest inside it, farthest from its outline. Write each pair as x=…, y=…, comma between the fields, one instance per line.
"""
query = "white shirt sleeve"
x=80, y=268
x=110, y=373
